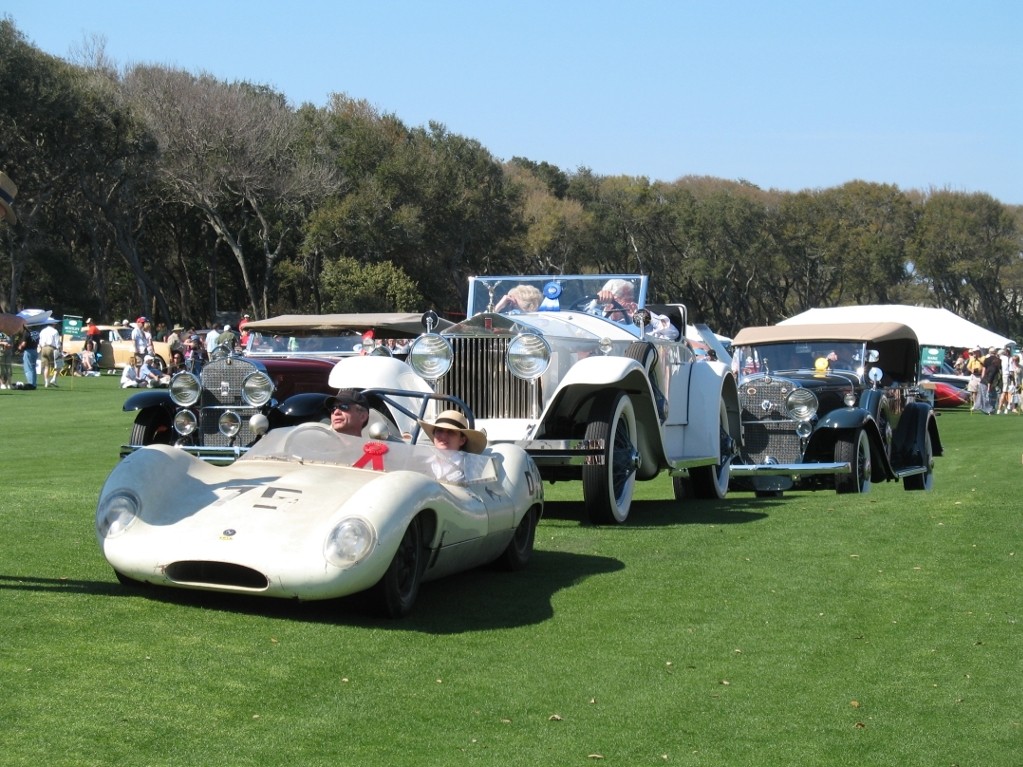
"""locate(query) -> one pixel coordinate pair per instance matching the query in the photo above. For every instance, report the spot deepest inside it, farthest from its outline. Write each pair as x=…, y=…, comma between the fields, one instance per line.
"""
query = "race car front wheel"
x=398, y=589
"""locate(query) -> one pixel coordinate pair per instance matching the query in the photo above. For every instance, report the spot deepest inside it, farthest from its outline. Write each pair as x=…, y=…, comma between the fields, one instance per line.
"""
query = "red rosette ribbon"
x=373, y=454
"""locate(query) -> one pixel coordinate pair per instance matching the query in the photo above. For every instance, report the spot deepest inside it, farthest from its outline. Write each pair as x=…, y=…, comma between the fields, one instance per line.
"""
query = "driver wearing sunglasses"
x=349, y=412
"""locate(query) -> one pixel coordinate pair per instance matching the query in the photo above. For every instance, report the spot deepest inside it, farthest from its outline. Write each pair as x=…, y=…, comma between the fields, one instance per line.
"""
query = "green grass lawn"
x=810, y=630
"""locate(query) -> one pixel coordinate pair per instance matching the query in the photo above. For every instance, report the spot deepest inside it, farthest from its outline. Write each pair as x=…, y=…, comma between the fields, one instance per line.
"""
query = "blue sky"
x=925, y=94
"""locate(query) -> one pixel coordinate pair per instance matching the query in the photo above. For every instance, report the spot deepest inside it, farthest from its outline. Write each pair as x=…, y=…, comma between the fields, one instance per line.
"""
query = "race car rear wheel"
x=520, y=548
x=398, y=589
x=711, y=482
x=608, y=485
x=853, y=447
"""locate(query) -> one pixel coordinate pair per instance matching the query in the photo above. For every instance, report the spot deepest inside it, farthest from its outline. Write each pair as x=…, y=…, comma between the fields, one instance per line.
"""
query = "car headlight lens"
x=185, y=389
x=431, y=356
x=849, y=399
x=184, y=422
x=229, y=423
x=116, y=513
x=349, y=542
x=528, y=356
x=801, y=404
x=257, y=388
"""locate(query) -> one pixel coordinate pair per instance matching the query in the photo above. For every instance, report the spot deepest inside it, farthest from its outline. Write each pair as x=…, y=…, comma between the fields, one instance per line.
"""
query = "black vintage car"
x=834, y=405
x=281, y=378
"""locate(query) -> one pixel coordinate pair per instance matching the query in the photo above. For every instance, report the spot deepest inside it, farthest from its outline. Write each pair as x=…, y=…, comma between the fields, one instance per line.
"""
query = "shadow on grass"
x=646, y=514
x=49, y=585
x=478, y=600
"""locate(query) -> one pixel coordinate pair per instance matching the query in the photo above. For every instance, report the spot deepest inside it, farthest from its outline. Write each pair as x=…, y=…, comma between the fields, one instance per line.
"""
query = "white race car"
x=308, y=513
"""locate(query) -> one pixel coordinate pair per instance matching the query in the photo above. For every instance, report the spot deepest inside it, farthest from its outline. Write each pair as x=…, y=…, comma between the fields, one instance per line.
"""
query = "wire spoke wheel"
x=608, y=485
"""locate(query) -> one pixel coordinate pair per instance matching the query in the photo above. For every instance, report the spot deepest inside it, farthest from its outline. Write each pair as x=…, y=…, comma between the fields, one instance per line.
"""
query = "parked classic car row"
x=572, y=377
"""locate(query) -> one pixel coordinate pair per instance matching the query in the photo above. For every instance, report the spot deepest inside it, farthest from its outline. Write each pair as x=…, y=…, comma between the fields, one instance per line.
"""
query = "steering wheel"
x=591, y=304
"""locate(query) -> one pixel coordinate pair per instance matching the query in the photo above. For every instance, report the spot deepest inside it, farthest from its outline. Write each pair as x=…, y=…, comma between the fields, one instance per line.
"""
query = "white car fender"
x=376, y=372
x=699, y=436
x=599, y=373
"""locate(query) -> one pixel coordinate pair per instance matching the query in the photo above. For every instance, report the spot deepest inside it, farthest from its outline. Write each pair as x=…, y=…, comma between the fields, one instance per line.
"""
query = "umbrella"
x=11, y=324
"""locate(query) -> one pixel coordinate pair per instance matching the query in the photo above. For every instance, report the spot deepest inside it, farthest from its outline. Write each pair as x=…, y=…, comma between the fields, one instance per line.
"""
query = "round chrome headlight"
x=257, y=388
x=849, y=399
x=185, y=389
x=184, y=422
x=349, y=542
x=801, y=404
x=431, y=356
x=229, y=423
x=604, y=345
x=116, y=513
x=528, y=356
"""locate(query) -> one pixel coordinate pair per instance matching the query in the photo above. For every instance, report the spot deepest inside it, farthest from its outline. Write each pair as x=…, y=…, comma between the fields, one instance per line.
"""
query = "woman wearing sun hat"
x=450, y=433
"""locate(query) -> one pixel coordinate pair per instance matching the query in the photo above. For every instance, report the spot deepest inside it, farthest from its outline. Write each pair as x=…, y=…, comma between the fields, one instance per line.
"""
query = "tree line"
x=149, y=189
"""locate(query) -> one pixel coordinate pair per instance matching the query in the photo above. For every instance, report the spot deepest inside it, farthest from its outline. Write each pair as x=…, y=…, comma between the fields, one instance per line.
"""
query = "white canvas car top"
x=934, y=327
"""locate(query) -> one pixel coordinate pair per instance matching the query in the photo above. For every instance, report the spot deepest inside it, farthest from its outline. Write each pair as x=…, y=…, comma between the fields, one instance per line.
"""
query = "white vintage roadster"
x=308, y=513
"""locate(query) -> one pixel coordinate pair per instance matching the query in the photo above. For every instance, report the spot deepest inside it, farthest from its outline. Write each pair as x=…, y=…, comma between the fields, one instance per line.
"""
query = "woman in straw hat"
x=450, y=433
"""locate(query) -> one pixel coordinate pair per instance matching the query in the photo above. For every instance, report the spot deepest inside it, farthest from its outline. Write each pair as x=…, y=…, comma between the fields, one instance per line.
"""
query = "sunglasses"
x=344, y=407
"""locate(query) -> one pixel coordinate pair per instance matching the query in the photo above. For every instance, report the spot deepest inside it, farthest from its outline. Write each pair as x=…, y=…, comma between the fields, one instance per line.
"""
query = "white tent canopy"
x=934, y=327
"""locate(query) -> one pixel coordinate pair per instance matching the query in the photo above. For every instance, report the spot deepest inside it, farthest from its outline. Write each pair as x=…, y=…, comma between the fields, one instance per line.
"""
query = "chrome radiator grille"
x=480, y=376
x=768, y=431
x=222, y=390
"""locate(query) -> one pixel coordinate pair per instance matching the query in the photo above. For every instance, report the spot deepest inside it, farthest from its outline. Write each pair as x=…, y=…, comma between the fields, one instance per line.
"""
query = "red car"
x=947, y=395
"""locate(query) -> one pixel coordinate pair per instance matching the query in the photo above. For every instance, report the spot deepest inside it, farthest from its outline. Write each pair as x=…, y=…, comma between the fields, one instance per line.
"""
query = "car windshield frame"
x=486, y=291
x=800, y=356
x=312, y=344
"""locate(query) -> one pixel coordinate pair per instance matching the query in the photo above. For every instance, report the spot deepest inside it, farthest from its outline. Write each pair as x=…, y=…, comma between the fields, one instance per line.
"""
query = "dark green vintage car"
x=832, y=405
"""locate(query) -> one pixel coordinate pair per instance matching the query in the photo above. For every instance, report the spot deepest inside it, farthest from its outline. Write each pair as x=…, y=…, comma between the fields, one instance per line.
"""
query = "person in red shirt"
x=92, y=333
x=244, y=340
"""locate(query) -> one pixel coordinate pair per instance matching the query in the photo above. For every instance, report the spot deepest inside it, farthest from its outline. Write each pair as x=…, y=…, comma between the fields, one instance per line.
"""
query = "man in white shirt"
x=151, y=376
x=49, y=347
x=138, y=337
x=211, y=340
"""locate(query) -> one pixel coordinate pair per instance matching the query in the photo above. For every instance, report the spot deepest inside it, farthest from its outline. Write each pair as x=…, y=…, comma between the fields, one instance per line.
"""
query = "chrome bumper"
x=789, y=469
x=221, y=456
x=561, y=452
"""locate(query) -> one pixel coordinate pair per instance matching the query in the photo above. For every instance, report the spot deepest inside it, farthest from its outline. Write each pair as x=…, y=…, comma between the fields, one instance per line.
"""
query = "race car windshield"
x=315, y=443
